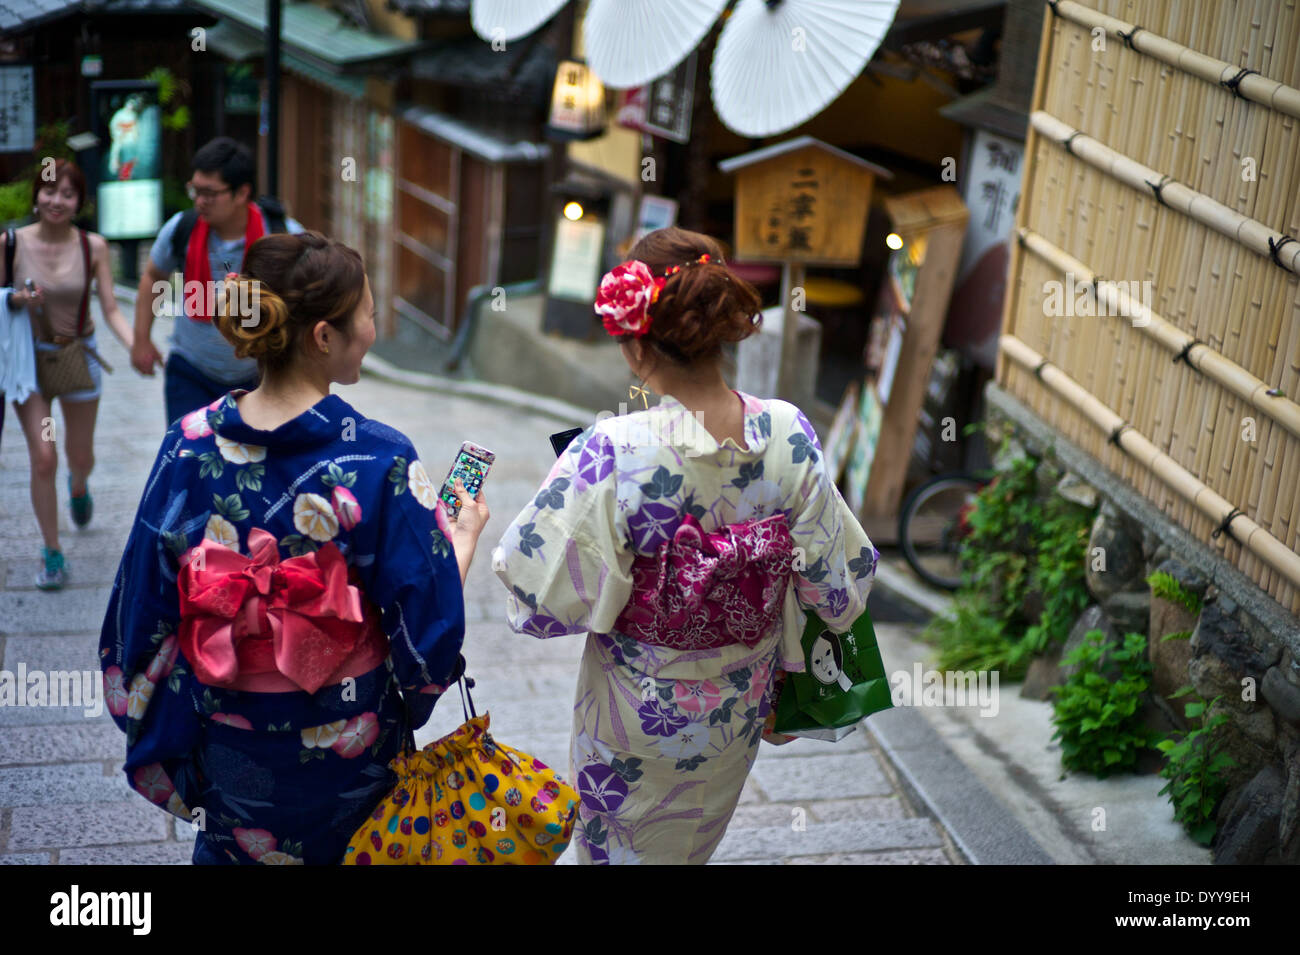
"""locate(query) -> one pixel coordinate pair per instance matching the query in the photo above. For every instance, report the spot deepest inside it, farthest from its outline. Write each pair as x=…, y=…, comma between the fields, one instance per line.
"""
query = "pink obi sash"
x=702, y=591
x=270, y=626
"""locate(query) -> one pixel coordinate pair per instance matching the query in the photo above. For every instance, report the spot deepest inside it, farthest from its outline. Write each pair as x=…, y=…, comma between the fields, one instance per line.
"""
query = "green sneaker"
x=53, y=575
x=83, y=507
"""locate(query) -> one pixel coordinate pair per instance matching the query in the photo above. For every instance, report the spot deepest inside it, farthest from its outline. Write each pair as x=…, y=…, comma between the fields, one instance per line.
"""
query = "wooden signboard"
x=802, y=201
x=932, y=223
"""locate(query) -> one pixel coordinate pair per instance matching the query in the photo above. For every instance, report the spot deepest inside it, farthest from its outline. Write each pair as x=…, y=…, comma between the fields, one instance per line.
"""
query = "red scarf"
x=197, y=268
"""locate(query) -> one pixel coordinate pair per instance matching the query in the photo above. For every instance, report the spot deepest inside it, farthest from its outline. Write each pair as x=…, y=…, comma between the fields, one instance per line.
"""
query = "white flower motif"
x=279, y=858
x=238, y=453
x=421, y=487
x=638, y=457
x=313, y=516
x=323, y=736
x=689, y=741
x=176, y=807
x=222, y=531
x=585, y=751
x=138, y=699
x=758, y=500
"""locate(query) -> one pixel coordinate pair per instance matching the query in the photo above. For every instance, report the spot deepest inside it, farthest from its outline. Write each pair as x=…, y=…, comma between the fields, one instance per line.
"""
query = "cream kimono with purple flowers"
x=663, y=739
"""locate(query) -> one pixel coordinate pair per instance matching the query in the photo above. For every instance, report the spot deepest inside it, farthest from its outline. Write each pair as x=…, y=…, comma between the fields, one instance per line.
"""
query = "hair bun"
x=253, y=318
x=290, y=282
x=702, y=305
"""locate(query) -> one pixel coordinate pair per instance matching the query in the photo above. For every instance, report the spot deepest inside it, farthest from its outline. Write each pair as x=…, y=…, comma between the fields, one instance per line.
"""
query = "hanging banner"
x=992, y=192
x=17, y=109
x=663, y=107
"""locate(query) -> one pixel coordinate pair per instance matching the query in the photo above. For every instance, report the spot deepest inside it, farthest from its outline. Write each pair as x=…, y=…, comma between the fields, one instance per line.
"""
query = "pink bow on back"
x=242, y=616
x=707, y=590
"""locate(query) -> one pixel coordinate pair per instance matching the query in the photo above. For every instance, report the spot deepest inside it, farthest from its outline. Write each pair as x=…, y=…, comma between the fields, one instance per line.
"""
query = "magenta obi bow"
x=707, y=590
x=244, y=616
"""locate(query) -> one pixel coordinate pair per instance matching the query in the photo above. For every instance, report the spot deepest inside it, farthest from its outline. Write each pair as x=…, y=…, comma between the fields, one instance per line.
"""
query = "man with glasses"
x=201, y=365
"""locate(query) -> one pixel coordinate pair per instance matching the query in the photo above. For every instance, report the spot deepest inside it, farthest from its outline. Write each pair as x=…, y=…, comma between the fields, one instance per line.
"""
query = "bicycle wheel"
x=930, y=531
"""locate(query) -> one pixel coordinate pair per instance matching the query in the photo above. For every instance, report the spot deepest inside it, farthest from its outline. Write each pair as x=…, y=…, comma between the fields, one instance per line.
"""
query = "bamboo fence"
x=1162, y=186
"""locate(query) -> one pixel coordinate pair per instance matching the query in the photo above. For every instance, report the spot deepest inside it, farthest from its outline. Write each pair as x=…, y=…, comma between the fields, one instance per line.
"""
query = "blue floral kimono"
x=269, y=767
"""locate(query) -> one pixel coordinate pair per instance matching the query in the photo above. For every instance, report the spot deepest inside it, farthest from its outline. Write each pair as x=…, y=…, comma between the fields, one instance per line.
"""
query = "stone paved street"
x=63, y=798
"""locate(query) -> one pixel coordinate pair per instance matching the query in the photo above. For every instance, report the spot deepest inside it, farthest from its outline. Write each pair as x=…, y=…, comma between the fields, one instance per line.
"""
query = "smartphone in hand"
x=471, y=466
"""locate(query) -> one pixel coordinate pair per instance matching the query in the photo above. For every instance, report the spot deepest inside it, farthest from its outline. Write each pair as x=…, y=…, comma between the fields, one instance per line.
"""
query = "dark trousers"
x=185, y=388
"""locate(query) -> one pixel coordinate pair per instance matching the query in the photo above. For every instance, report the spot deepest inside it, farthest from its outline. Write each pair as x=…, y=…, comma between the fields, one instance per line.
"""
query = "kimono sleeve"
x=838, y=559
x=565, y=558
x=415, y=582
x=149, y=688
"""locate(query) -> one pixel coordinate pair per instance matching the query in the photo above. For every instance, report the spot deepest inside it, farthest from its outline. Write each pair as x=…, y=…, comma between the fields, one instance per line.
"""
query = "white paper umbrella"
x=780, y=62
x=513, y=18
x=631, y=42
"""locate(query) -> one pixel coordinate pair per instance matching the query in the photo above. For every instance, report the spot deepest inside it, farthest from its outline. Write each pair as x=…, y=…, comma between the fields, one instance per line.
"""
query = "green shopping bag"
x=844, y=682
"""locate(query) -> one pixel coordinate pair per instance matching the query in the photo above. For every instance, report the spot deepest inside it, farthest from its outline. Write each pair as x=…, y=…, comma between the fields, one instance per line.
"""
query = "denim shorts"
x=96, y=375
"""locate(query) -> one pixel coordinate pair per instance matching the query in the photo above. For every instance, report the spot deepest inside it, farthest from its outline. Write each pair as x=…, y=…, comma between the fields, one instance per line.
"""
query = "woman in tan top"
x=49, y=253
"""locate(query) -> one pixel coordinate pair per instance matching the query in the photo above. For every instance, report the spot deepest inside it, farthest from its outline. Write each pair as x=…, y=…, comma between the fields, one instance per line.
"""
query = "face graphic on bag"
x=827, y=658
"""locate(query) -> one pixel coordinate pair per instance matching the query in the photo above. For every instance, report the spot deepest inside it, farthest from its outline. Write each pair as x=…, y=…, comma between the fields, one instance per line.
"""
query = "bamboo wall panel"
x=1162, y=104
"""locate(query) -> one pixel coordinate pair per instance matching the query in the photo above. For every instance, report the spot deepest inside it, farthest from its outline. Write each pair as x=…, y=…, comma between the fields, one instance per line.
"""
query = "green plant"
x=170, y=90
x=1058, y=571
x=1167, y=587
x=1097, y=719
x=51, y=140
x=970, y=638
x=1194, y=767
x=15, y=201
x=1019, y=545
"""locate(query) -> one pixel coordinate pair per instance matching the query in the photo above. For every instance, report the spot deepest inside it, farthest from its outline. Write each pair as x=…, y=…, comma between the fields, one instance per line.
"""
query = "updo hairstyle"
x=702, y=306
x=292, y=281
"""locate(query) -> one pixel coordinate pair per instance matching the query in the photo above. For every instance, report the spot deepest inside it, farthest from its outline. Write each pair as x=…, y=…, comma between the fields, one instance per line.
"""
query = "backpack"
x=272, y=211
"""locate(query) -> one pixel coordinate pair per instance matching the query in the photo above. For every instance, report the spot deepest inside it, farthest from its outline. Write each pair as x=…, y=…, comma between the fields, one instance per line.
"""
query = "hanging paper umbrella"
x=631, y=42
x=780, y=62
x=512, y=18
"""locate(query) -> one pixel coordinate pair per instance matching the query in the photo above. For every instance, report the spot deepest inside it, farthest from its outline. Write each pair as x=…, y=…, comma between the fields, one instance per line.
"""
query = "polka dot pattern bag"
x=468, y=800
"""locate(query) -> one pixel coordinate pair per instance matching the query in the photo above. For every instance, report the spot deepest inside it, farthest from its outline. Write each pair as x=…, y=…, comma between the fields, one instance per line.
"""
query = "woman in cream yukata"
x=665, y=736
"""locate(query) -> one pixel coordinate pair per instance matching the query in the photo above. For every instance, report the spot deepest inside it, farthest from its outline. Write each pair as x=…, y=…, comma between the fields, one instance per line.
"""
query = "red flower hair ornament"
x=626, y=294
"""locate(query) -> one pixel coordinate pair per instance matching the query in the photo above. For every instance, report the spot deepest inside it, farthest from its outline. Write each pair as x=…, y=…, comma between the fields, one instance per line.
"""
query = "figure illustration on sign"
x=132, y=147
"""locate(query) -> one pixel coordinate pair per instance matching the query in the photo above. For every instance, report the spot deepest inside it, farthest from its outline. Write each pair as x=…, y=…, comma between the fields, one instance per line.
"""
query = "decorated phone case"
x=471, y=466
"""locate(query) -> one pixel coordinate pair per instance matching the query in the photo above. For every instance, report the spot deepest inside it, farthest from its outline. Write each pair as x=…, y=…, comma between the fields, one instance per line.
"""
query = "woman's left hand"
x=473, y=514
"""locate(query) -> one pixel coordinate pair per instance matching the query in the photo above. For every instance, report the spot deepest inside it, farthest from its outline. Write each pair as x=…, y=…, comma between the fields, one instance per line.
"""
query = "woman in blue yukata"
x=289, y=605
x=686, y=541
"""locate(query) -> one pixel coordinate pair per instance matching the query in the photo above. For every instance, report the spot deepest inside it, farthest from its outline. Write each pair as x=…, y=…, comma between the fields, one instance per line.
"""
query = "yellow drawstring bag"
x=467, y=799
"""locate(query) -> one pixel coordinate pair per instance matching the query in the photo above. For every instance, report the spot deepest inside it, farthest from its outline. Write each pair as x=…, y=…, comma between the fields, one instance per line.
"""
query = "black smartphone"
x=561, y=440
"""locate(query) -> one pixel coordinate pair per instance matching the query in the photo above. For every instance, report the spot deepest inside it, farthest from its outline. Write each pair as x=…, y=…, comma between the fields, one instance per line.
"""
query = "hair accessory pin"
x=673, y=270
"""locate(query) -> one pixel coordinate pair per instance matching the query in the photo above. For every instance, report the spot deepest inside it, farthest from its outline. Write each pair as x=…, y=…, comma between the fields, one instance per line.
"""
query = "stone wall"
x=1244, y=648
